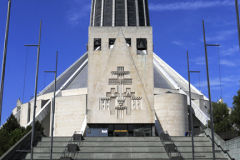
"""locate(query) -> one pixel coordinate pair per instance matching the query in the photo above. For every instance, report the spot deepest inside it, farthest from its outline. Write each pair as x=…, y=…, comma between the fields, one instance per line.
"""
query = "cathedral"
x=119, y=87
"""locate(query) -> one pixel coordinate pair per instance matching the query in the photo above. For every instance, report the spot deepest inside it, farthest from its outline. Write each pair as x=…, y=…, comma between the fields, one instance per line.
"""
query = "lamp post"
x=53, y=104
x=190, y=101
x=238, y=23
x=4, y=58
x=35, y=93
x=209, y=92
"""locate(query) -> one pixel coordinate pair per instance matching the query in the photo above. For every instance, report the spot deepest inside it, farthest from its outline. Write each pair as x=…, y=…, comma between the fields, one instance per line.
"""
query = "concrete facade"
x=172, y=112
x=70, y=112
x=107, y=60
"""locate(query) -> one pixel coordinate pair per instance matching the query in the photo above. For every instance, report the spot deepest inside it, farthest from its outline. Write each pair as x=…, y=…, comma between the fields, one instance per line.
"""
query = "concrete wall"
x=74, y=92
x=232, y=145
x=70, y=112
x=103, y=62
x=38, y=108
x=172, y=112
x=24, y=114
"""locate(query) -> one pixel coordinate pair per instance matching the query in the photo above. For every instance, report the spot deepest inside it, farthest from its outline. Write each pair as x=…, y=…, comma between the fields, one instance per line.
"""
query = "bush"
x=12, y=132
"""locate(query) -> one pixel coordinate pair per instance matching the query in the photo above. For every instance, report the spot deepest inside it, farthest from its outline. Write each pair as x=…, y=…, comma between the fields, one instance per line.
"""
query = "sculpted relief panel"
x=120, y=100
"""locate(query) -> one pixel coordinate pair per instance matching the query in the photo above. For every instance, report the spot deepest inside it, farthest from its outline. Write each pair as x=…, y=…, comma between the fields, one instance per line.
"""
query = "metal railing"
x=73, y=140
x=170, y=147
x=224, y=151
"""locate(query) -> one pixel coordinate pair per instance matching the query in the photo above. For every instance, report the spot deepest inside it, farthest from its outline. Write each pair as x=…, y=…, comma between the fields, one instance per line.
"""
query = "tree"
x=221, y=118
x=39, y=127
x=235, y=116
x=16, y=135
x=11, y=124
x=11, y=132
x=4, y=141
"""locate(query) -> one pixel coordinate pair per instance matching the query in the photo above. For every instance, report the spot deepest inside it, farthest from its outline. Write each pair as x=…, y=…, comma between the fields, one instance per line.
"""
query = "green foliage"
x=235, y=116
x=15, y=136
x=11, y=124
x=39, y=127
x=11, y=132
x=221, y=118
x=4, y=141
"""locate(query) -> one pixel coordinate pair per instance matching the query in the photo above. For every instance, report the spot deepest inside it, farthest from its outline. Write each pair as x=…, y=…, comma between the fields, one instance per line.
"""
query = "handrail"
x=224, y=151
x=64, y=152
x=171, y=141
x=70, y=142
x=11, y=153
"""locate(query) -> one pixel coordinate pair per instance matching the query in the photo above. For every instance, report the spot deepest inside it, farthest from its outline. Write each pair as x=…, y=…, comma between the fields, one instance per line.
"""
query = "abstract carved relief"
x=119, y=100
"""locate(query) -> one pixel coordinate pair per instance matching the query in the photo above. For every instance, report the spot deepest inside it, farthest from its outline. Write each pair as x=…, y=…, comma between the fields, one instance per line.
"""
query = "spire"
x=119, y=13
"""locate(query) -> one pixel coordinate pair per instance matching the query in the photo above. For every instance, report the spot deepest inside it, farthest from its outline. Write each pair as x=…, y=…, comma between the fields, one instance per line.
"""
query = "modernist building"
x=119, y=84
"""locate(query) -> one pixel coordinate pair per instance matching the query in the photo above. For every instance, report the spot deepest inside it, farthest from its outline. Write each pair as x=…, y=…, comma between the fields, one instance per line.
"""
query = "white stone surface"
x=172, y=112
x=70, y=112
x=103, y=62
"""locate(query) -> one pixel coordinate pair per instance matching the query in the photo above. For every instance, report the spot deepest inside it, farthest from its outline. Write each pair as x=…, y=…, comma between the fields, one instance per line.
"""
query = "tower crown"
x=119, y=13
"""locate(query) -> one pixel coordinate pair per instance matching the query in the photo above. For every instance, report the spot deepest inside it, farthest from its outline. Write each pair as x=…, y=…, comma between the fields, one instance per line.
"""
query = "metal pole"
x=35, y=94
x=209, y=92
x=53, y=106
x=238, y=23
x=191, y=116
x=4, y=58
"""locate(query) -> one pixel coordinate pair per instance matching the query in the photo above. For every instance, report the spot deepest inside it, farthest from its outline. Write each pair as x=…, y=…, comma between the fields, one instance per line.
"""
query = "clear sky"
x=177, y=28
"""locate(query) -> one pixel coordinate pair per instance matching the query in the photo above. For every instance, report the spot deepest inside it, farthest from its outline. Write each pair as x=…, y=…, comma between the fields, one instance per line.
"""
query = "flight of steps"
x=202, y=147
x=123, y=148
x=103, y=148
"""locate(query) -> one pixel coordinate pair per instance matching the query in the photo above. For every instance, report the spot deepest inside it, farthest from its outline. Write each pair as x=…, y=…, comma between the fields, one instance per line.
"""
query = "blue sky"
x=177, y=28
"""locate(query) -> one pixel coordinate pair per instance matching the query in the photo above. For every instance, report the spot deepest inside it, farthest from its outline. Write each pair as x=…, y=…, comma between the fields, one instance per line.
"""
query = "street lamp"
x=35, y=93
x=209, y=92
x=238, y=23
x=53, y=104
x=4, y=58
x=190, y=100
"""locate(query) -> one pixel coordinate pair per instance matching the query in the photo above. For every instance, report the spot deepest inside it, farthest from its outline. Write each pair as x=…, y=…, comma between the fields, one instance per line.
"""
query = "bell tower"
x=119, y=13
x=120, y=67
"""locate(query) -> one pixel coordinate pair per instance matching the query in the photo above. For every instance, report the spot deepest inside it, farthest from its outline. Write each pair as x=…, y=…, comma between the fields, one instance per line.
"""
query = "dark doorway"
x=125, y=130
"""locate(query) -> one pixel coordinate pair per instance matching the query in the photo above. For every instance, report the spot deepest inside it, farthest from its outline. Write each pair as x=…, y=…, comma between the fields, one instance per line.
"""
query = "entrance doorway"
x=125, y=130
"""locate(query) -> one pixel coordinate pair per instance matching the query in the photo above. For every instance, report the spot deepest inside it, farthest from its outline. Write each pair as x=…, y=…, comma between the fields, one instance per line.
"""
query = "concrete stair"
x=148, y=148
x=119, y=148
x=202, y=148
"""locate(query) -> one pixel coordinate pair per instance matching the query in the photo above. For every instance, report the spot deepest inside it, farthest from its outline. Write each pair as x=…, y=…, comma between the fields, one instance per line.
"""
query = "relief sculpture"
x=120, y=100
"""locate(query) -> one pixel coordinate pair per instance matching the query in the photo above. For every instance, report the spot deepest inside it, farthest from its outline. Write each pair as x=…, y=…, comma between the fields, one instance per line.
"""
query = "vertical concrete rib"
x=91, y=15
x=113, y=13
x=101, y=24
x=94, y=12
x=137, y=13
x=126, y=13
x=145, y=12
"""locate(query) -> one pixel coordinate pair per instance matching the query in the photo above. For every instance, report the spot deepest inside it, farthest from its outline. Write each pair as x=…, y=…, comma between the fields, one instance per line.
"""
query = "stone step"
x=48, y=144
x=104, y=149
x=101, y=155
x=202, y=155
x=197, y=138
x=196, y=149
x=189, y=144
x=125, y=144
x=147, y=159
x=125, y=139
x=93, y=143
x=206, y=159
x=44, y=139
x=118, y=159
